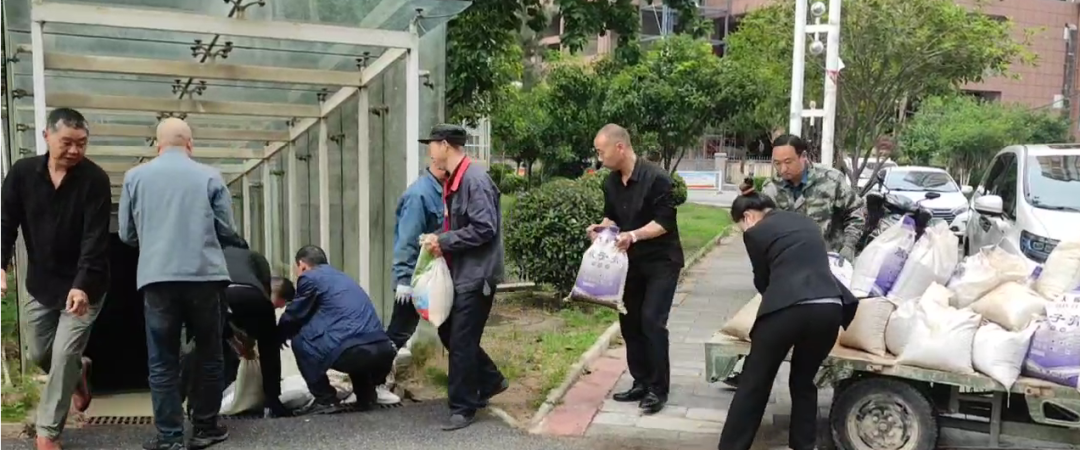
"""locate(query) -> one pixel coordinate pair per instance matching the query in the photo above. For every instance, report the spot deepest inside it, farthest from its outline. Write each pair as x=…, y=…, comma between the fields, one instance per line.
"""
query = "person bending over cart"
x=802, y=309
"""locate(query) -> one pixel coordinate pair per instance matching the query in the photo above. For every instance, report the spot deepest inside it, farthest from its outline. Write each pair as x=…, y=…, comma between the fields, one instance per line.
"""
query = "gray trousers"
x=56, y=343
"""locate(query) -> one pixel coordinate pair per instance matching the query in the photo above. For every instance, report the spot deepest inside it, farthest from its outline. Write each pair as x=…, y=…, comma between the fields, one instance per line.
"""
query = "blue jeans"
x=168, y=308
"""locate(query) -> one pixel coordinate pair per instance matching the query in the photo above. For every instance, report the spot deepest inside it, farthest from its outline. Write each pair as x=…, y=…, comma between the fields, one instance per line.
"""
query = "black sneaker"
x=204, y=437
x=160, y=442
x=485, y=397
x=320, y=408
x=458, y=421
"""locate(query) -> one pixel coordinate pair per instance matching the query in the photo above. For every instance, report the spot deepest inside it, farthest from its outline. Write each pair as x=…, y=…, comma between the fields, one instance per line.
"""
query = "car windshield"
x=920, y=181
x=1053, y=182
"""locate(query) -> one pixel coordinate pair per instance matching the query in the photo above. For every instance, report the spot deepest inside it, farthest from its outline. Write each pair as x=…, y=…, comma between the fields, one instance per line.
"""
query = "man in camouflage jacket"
x=822, y=194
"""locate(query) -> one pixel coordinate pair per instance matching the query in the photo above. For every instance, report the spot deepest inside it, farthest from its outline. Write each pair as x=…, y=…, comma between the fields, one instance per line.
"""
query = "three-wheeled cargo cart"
x=880, y=405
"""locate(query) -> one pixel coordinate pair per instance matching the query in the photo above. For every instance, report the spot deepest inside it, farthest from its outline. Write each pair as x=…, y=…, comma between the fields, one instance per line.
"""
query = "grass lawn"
x=534, y=337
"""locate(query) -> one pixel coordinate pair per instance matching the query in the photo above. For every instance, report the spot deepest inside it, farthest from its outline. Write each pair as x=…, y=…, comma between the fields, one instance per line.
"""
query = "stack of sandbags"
x=932, y=260
x=980, y=273
x=902, y=321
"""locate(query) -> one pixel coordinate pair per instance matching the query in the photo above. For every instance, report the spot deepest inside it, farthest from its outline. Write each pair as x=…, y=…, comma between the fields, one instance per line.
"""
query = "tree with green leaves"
x=485, y=54
x=574, y=100
x=519, y=128
x=962, y=133
x=675, y=92
x=894, y=53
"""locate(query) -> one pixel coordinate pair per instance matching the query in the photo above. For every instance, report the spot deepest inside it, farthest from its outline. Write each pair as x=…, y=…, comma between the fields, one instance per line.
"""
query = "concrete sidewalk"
x=711, y=292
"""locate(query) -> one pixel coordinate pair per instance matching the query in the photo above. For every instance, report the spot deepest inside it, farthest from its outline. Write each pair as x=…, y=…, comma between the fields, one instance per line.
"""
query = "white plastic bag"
x=933, y=259
x=1061, y=273
x=941, y=339
x=982, y=272
x=1011, y=305
x=841, y=269
x=602, y=275
x=433, y=289
x=246, y=393
x=880, y=263
x=740, y=325
x=999, y=353
x=867, y=331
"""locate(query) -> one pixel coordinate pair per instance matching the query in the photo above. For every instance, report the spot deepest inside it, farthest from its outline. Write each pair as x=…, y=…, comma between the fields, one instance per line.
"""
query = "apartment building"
x=1054, y=83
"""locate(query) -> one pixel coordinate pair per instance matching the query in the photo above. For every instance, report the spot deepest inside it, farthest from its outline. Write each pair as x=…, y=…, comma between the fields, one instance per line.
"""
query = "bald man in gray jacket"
x=179, y=213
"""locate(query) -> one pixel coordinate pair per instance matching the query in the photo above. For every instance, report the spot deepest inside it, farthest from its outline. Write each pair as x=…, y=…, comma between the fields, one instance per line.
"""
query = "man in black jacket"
x=251, y=311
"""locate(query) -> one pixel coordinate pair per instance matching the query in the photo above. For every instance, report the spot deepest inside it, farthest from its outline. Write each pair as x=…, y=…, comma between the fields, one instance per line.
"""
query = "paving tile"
x=673, y=411
x=605, y=430
x=678, y=424
x=612, y=418
x=569, y=421
x=707, y=414
x=612, y=406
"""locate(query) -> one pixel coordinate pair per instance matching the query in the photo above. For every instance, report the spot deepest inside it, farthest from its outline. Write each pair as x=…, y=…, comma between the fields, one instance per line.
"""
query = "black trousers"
x=472, y=372
x=403, y=322
x=649, y=291
x=809, y=333
x=367, y=366
x=169, y=307
x=253, y=314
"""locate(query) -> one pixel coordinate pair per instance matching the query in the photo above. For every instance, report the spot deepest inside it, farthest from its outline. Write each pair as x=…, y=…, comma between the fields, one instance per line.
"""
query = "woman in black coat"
x=803, y=307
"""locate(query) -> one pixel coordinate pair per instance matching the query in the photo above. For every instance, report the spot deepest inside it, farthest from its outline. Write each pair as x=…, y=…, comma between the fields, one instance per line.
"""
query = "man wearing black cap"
x=471, y=243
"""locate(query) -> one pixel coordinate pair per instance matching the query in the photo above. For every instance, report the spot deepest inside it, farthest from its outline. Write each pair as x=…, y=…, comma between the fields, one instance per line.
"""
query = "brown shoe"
x=44, y=443
x=81, y=398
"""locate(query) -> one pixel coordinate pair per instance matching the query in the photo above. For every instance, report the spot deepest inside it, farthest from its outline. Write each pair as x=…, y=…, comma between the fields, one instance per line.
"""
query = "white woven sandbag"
x=1011, y=305
x=740, y=325
x=982, y=272
x=941, y=339
x=867, y=331
x=1061, y=272
x=902, y=320
x=933, y=259
x=244, y=394
x=878, y=266
x=999, y=353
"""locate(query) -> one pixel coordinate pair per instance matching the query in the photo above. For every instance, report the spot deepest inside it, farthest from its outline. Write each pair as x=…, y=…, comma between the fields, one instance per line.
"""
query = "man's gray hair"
x=67, y=117
x=616, y=134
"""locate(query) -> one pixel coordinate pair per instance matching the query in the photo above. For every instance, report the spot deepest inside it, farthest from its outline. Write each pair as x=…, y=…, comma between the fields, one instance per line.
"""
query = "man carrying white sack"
x=471, y=244
x=419, y=212
x=638, y=199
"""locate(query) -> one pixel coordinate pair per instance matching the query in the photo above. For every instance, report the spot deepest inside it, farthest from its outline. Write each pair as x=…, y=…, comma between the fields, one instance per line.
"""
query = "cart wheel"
x=883, y=414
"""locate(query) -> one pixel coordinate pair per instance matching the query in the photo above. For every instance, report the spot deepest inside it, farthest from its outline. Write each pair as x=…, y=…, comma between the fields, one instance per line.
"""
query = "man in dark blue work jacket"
x=471, y=243
x=333, y=325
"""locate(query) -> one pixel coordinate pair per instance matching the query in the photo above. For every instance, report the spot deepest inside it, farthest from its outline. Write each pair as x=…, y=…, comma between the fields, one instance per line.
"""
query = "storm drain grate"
x=120, y=420
x=148, y=420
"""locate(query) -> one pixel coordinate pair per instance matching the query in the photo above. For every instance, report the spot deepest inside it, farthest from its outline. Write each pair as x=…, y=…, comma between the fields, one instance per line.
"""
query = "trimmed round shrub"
x=596, y=179
x=513, y=183
x=545, y=231
x=499, y=171
x=678, y=188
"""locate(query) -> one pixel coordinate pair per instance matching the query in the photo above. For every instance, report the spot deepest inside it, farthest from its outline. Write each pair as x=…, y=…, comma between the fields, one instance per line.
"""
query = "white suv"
x=1029, y=199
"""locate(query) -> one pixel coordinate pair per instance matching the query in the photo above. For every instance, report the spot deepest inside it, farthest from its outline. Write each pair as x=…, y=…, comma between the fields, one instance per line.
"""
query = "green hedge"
x=678, y=188
x=513, y=183
x=498, y=172
x=759, y=183
x=545, y=230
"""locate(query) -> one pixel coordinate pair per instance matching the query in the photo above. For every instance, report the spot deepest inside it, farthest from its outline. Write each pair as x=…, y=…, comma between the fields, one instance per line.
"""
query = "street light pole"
x=832, y=73
x=798, y=68
x=832, y=70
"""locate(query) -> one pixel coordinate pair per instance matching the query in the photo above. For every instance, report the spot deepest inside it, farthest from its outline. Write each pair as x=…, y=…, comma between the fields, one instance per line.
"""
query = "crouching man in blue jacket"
x=333, y=325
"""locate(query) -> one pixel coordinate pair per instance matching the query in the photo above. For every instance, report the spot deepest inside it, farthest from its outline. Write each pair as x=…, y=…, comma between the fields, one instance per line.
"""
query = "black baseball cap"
x=454, y=134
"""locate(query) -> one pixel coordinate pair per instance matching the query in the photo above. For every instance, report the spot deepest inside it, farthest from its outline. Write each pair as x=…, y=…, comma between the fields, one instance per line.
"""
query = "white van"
x=1029, y=199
